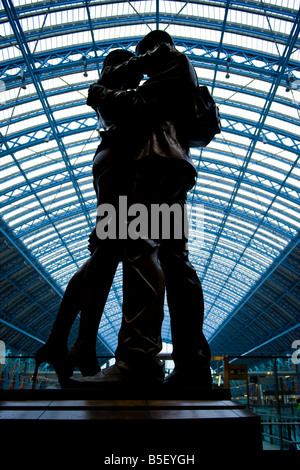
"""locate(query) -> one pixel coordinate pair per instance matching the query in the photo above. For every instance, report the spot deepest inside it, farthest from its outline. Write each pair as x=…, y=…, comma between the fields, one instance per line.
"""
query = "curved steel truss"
x=244, y=210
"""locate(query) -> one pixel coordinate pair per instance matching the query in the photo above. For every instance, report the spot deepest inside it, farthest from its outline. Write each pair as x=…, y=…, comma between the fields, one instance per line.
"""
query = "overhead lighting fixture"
x=21, y=76
x=289, y=82
x=84, y=60
x=228, y=66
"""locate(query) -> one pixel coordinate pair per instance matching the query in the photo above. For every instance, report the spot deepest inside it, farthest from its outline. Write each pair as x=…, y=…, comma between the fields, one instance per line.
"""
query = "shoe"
x=85, y=378
x=197, y=378
x=112, y=373
x=122, y=373
x=57, y=358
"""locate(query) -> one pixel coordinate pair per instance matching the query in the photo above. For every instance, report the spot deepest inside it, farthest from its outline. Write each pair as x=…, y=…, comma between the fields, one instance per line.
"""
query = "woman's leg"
x=96, y=283
x=55, y=350
x=69, y=309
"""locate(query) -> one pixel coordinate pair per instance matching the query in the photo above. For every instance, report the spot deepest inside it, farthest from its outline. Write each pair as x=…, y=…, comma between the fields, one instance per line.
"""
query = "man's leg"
x=143, y=311
x=191, y=352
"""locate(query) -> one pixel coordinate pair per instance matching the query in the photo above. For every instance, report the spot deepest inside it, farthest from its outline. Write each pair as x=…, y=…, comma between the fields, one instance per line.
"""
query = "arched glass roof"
x=244, y=209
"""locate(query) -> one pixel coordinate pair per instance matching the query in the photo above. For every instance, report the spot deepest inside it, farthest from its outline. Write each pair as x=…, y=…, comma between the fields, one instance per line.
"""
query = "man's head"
x=153, y=39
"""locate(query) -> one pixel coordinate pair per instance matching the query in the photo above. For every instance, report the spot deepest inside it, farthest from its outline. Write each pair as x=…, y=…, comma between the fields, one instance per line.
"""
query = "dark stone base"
x=115, y=423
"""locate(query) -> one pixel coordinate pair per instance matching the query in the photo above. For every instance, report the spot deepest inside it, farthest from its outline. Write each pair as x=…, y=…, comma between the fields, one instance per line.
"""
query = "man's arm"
x=117, y=105
x=163, y=96
x=136, y=66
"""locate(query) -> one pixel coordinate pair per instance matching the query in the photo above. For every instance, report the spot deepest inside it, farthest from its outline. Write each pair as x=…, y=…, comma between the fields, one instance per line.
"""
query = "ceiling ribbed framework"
x=244, y=209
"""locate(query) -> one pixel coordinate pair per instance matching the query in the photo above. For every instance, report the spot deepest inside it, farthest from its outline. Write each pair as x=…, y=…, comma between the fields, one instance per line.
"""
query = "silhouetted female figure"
x=88, y=289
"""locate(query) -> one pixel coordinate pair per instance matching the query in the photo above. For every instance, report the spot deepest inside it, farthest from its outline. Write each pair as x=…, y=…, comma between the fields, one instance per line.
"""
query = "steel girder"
x=245, y=62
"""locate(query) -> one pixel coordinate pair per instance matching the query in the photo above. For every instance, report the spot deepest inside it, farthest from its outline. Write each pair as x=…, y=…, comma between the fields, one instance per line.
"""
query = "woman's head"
x=118, y=57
